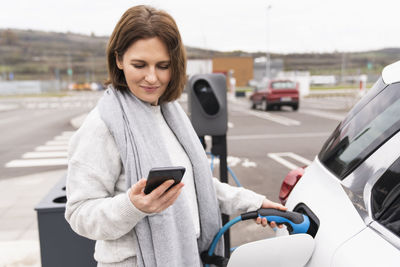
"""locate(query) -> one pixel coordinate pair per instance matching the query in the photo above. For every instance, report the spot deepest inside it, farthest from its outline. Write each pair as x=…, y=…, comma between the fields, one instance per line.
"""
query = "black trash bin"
x=59, y=245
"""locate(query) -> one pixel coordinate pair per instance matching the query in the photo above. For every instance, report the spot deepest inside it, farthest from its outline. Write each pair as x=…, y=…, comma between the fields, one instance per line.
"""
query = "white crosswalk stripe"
x=56, y=154
x=268, y=116
x=36, y=163
x=57, y=143
x=51, y=148
x=283, y=157
x=53, y=153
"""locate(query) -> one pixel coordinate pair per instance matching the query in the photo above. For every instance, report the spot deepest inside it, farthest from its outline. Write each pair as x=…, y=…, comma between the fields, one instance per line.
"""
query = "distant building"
x=323, y=80
x=199, y=66
x=241, y=68
x=301, y=77
x=260, y=68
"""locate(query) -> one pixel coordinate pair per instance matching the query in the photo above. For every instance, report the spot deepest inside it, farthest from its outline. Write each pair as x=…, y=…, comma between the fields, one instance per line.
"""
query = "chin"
x=150, y=100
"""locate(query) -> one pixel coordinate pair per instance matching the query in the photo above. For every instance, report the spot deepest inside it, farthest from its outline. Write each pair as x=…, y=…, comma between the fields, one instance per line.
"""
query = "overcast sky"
x=225, y=25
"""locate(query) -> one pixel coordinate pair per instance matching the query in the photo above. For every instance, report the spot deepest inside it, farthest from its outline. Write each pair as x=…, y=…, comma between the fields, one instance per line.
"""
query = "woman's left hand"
x=268, y=204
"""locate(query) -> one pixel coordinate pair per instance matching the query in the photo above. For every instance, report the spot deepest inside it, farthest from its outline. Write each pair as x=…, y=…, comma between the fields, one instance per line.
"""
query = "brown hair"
x=142, y=22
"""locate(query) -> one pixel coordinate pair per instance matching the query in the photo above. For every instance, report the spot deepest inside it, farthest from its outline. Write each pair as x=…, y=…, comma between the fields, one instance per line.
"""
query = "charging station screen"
x=206, y=97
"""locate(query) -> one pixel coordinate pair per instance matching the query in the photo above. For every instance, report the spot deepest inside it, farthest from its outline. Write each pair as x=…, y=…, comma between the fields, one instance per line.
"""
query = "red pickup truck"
x=278, y=93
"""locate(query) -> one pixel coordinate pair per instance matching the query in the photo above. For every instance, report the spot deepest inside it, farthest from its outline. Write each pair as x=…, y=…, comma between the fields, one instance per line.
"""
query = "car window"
x=363, y=132
x=283, y=85
x=385, y=199
x=372, y=92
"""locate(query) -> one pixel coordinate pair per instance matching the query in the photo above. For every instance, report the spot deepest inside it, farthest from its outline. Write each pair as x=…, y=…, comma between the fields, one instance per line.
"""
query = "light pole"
x=268, y=59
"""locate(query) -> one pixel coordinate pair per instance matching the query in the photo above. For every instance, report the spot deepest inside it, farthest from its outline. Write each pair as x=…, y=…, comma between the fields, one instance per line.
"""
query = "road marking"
x=272, y=136
x=51, y=148
x=62, y=138
x=246, y=163
x=274, y=118
x=53, y=153
x=234, y=161
x=279, y=157
x=43, y=154
x=323, y=114
x=67, y=133
x=7, y=107
x=36, y=163
x=57, y=143
x=266, y=115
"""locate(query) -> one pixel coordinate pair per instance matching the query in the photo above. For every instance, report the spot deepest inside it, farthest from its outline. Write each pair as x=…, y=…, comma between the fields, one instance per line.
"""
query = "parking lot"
x=262, y=148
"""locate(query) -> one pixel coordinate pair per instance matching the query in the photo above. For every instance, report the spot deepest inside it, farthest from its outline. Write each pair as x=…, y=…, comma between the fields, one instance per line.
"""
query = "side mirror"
x=286, y=251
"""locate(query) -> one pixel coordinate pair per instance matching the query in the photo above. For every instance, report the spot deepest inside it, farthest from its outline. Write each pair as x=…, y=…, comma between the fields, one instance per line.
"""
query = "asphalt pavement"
x=19, y=237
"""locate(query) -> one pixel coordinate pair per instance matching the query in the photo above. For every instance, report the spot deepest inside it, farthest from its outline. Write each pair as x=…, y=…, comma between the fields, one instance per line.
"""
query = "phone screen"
x=159, y=175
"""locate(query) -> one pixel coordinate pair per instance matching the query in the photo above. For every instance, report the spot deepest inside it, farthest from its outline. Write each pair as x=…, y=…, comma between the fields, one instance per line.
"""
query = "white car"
x=351, y=191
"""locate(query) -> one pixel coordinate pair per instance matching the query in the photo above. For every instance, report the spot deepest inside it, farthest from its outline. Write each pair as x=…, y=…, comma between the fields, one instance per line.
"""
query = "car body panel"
x=390, y=74
x=379, y=253
x=300, y=248
x=352, y=186
x=349, y=199
x=333, y=201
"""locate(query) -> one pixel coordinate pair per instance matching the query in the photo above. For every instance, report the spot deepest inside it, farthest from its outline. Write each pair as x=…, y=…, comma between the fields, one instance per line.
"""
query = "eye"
x=138, y=66
x=164, y=66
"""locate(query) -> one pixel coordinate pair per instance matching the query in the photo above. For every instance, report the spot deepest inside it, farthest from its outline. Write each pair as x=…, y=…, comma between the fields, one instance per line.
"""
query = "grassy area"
x=244, y=89
x=342, y=86
x=55, y=94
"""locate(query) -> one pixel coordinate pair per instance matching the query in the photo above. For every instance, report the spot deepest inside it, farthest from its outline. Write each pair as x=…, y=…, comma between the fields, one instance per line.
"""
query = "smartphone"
x=159, y=175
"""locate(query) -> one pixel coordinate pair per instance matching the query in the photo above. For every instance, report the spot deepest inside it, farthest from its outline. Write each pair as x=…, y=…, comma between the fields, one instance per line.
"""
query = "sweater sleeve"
x=236, y=199
x=95, y=208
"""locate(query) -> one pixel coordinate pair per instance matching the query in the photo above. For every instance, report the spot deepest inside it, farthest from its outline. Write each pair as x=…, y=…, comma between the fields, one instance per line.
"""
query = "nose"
x=151, y=76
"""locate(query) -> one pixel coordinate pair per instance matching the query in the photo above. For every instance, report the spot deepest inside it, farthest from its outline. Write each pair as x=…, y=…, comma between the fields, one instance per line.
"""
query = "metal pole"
x=224, y=178
x=219, y=147
x=268, y=57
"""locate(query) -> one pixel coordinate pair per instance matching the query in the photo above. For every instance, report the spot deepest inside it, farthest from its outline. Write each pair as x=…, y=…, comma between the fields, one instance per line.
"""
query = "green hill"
x=47, y=55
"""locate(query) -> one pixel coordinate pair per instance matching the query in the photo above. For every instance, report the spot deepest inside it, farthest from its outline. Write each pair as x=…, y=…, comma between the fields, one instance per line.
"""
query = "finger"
x=264, y=222
x=156, y=193
x=172, y=193
x=274, y=205
x=258, y=220
x=171, y=200
x=281, y=207
x=138, y=187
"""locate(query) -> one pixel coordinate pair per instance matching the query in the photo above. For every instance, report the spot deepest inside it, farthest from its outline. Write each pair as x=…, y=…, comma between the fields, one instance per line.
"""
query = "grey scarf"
x=167, y=238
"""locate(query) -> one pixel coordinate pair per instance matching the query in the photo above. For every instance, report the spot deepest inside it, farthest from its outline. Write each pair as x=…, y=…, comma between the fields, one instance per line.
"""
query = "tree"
x=8, y=37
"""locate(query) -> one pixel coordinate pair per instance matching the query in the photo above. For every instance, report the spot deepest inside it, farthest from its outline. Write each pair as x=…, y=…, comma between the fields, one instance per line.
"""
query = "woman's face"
x=146, y=66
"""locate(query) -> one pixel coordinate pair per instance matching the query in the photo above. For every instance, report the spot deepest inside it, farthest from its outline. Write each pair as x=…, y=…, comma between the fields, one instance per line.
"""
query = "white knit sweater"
x=98, y=205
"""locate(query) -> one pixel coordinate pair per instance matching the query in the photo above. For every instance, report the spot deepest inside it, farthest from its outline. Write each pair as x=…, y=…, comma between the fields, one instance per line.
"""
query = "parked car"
x=351, y=191
x=278, y=93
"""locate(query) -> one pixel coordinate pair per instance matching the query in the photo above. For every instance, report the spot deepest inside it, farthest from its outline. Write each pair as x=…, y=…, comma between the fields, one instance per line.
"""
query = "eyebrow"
x=143, y=61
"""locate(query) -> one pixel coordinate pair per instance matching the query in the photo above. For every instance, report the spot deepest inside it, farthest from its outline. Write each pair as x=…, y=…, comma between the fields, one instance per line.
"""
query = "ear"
x=118, y=62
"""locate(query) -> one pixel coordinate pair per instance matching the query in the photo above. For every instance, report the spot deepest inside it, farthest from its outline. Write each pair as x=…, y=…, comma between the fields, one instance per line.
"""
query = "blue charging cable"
x=296, y=223
x=229, y=169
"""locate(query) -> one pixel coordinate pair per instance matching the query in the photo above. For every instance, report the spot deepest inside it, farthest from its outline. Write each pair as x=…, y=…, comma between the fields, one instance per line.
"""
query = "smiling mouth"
x=150, y=89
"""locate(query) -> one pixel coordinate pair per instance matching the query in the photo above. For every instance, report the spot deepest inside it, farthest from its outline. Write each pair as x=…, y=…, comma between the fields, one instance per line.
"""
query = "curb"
x=8, y=107
x=19, y=236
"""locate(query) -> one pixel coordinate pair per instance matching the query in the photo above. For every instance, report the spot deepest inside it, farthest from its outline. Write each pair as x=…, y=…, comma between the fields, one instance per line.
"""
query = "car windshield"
x=283, y=85
x=368, y=125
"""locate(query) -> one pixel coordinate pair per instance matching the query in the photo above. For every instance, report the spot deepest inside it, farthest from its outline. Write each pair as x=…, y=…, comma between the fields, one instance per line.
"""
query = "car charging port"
x=314, y=221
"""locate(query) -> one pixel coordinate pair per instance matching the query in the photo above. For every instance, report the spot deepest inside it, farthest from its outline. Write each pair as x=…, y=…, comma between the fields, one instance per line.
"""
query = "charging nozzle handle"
x=296, y=222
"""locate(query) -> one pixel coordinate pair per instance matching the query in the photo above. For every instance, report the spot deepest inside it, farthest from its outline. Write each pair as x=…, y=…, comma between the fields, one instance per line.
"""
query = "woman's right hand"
x=158, y=200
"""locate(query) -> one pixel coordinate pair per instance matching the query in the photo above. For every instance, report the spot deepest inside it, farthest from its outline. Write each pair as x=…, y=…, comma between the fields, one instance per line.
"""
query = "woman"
x=138, y=125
